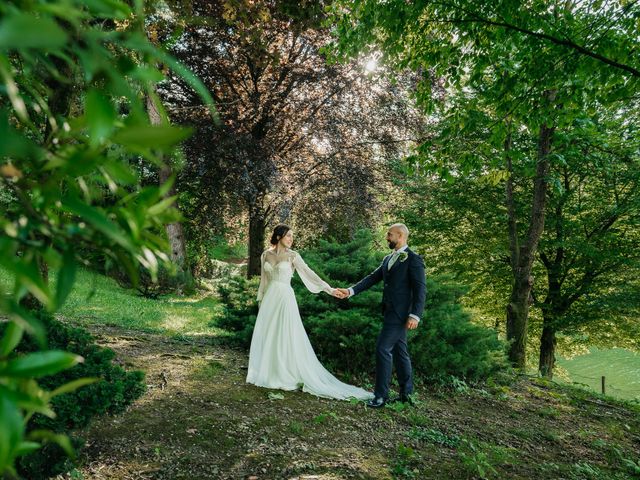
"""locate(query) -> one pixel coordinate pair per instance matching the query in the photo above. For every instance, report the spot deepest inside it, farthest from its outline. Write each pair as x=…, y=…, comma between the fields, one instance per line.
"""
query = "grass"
x=434, y=436
x=208, y=423
x=620, y=367
x=99, y=299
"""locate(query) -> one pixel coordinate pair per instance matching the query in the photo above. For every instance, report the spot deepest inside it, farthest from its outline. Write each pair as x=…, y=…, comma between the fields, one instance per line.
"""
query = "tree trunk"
x=547, y=348
x=257, y=226
x=522, y=257
x=174, y=230
x=555, y=305
x=517, y=318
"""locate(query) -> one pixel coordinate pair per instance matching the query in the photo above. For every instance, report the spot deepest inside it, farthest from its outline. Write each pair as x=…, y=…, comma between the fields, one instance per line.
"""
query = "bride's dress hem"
x=296, y=388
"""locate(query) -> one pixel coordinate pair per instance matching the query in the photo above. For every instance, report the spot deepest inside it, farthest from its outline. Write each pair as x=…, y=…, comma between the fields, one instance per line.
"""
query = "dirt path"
x=199, y=420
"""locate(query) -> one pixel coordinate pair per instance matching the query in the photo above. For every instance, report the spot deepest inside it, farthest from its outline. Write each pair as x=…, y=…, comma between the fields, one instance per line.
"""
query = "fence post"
x=603, y=384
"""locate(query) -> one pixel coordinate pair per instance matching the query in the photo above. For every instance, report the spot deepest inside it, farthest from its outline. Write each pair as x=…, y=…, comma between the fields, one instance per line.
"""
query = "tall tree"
x=291, y=123
x=592, y=244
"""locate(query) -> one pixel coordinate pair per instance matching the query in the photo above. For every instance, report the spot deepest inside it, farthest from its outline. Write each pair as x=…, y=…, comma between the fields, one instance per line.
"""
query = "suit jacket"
x=405, y=288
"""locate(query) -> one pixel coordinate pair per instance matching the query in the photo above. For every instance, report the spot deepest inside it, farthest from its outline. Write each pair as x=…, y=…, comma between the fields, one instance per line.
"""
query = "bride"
x=281, y=355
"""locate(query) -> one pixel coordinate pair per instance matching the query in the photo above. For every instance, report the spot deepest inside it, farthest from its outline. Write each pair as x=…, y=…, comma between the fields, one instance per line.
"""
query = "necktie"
x=392, y=260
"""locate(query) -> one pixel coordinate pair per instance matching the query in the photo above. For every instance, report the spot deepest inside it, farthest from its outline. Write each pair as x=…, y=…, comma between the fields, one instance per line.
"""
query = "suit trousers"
x=391, y=349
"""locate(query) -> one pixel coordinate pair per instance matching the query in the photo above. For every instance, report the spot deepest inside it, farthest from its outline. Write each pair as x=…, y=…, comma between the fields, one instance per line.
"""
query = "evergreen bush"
x=112, y=393
x=343, y=332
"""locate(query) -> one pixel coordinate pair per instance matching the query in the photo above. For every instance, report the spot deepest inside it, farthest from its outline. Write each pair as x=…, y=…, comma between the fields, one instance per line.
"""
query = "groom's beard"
x=392, y=245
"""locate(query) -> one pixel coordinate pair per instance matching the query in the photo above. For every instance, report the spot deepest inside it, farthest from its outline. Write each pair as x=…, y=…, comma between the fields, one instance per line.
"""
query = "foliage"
x=586, y=271
x=286, y=149
x=519, y=95
x=402, y=465
x=240, y=308
x=343, y=333
x=166, y=279
x=434, y=436
x=72, y=123
x=115, y=390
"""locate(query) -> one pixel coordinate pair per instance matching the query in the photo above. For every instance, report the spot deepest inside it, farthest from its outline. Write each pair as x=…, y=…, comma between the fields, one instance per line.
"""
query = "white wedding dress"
x=281, y=355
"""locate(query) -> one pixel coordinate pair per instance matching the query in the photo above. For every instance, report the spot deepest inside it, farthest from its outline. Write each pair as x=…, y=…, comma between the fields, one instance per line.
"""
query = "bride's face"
x=287, y=240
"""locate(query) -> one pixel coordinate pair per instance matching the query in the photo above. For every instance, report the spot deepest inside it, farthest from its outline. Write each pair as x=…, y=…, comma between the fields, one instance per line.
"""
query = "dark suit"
x=404, y=294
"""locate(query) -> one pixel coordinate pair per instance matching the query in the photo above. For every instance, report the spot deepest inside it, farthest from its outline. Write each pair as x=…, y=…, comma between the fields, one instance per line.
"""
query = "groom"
x=402, y=303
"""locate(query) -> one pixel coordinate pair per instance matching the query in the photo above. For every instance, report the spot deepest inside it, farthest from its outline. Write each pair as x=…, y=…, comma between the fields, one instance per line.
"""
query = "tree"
x=592, y=248
x=292, y=127
x=587, y=261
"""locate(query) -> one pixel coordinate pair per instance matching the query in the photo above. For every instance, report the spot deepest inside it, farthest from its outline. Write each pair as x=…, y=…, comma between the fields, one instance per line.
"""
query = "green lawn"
x=99, y=299
x=620, y=367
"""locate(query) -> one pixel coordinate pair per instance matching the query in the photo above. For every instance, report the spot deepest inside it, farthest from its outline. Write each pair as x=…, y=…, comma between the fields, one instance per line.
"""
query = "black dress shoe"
x=406, y=399
x=376, y=402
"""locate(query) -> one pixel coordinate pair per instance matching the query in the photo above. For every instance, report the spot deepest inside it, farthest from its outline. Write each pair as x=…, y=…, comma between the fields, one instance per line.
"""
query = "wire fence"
x=633, y=391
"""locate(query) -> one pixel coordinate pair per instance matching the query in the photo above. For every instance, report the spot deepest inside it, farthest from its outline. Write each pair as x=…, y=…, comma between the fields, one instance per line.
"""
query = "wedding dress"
x=281, y=354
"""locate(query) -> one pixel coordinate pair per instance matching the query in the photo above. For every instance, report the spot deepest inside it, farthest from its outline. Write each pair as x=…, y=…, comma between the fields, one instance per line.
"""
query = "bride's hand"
x=344, y=292
x=337, y=293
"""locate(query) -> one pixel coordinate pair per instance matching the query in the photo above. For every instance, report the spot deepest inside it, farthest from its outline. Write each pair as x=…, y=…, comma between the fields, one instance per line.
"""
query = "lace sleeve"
x=310, y=278
x=263, y=278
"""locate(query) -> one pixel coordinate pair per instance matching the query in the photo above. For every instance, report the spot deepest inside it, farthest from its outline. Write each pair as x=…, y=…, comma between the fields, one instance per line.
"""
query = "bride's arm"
x=310, y=278
x=263, y=278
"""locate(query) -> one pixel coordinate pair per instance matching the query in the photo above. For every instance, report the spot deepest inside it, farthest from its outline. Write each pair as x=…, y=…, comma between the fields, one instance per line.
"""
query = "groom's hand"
x=344, y=292
x=339, y=293
x=411, y=323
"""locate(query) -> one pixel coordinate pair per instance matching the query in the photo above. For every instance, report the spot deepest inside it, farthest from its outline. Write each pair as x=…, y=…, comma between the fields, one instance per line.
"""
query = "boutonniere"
x=403, y=256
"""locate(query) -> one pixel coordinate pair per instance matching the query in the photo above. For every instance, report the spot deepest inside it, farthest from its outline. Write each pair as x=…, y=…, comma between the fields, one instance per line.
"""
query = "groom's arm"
x=367, y=282
x=418, y=286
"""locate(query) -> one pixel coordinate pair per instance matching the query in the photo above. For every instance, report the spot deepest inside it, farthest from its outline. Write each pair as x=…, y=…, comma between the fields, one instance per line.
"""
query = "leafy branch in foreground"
x=73, y=126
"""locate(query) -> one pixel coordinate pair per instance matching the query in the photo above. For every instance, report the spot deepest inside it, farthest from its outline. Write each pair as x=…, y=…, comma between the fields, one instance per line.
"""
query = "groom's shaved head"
x=402, y=228
x=397, y=235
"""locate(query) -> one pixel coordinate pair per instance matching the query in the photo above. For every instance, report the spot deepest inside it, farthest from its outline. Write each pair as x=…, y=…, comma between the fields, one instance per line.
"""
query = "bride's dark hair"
x=279, y=232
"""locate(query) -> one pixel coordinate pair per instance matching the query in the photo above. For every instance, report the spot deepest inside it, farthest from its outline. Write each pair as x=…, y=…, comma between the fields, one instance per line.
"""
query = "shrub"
x=343, y=332
x=240, y=308
x=169, y=279
x=115, y=390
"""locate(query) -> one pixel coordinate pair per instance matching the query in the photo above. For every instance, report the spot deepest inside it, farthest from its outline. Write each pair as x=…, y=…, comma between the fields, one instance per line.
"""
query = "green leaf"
x=24, y=448
x=162, y=205
x=100, y=116
x=13, y=144
x=28, y=274
x=12, y=91
x=49, y=436
x=151, y=136
x=140, y=43
x=108, y=8
x=40, y=364
x=36, y=401
x=27, y=31
x=66, y=278
x=74, y=385
x=150, y=262
x=130, y=267
x=120, y=172
x=27, y=321
x=11, y=431
x=11, y=338
x=147, y=74
x=98, y=220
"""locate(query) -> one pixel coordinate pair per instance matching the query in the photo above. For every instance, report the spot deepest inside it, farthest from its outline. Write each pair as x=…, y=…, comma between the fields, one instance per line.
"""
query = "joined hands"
x=340, y=293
